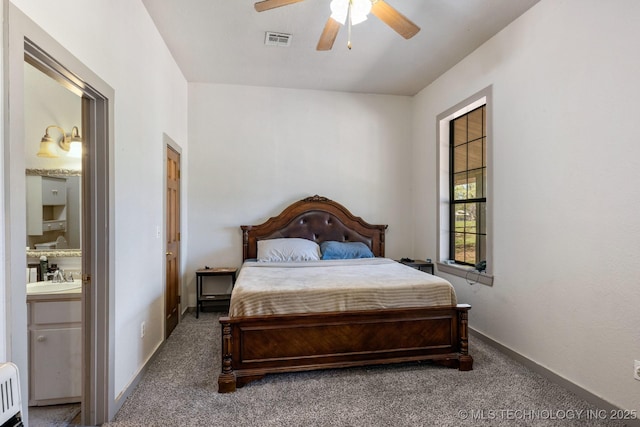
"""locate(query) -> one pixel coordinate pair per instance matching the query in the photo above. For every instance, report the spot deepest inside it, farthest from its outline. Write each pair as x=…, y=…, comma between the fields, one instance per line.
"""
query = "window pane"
x=470, y=218
x=475, y=130
x=459, y=247
x=460, y=158
x=458, y=217
x=482, y=218
x=460, y=186
x=470, y=248
x=460, y=130
x=475, y=155
x=474, y=185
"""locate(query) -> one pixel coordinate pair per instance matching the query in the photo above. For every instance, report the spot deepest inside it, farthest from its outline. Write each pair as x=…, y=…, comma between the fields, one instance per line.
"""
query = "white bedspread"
x=335, y=285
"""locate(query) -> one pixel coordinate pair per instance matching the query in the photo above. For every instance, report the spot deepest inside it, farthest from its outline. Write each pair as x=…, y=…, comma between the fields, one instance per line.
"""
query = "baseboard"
x=552, y=376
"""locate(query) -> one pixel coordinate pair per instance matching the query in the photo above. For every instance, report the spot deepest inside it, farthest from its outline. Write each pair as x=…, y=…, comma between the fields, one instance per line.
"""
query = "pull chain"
x=349, y=28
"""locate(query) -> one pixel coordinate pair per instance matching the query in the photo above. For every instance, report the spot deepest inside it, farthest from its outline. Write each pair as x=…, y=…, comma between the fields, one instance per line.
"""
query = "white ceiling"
x=222, y=41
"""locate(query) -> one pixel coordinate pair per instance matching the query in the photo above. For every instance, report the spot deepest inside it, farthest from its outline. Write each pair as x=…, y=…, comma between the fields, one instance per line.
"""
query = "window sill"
x=467, y=273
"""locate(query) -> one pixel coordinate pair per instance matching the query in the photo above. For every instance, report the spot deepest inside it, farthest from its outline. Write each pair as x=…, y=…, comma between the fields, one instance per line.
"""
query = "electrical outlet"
x=636, y=369
x=142, y=330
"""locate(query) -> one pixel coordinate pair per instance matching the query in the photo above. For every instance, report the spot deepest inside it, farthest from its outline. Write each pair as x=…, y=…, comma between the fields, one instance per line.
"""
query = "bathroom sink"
x=50, y=287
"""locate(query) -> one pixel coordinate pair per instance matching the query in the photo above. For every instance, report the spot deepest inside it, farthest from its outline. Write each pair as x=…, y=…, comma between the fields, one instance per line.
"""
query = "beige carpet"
x=180, y=389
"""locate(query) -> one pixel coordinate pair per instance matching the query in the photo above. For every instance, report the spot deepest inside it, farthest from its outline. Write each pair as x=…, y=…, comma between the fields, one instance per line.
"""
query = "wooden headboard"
x=318, y=219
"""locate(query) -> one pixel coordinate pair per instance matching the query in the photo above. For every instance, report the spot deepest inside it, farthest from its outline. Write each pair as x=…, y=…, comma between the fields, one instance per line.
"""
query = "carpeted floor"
x=180, y=388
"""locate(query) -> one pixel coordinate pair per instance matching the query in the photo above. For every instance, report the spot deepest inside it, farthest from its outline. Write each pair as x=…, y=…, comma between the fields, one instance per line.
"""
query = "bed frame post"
x=227, y=378
x=466, y=361
x=245, y=242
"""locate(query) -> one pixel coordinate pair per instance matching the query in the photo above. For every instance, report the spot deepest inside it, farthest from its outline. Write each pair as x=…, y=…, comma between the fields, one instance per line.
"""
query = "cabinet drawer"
x=56, y=312
x=54, y=225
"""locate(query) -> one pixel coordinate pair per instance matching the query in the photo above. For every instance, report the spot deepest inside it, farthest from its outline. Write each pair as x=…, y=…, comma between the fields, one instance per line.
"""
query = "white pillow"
x=291, y=249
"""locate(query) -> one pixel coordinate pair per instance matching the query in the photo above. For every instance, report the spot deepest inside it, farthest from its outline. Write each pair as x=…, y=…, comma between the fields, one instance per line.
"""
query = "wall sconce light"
x=71, y=143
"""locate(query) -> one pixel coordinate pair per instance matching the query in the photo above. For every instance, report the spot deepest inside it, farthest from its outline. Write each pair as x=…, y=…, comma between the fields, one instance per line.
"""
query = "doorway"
x=54, y=234
x=27, y=41
x=172, y=219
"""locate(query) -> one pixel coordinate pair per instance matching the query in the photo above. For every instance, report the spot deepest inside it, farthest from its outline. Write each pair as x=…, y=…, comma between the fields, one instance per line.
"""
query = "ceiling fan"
x=351, y=12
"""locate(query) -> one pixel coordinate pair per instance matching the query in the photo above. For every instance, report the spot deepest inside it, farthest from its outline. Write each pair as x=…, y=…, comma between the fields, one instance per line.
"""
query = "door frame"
x=169, y=143
x=25, y=38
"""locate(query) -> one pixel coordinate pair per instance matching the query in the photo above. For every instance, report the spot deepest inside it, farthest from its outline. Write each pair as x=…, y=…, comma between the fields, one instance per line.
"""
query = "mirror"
x=53, y=225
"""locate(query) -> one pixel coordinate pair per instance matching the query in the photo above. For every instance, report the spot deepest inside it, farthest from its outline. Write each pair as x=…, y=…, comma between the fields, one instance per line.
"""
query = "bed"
x=334, y=331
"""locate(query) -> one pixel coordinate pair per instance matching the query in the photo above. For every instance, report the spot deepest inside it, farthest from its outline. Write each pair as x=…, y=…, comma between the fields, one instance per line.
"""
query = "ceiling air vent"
x=277, y=39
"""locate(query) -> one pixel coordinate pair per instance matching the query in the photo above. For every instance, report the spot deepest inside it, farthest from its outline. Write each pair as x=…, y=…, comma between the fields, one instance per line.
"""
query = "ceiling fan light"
x=339, y=10
x=359, y=10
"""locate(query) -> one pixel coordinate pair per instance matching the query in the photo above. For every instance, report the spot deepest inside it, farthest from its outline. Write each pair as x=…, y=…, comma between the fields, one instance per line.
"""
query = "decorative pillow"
x=345, y=250
x=291, y=249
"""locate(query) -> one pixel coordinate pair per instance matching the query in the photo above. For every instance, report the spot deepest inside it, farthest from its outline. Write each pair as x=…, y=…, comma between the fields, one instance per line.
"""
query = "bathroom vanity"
x=55, y=342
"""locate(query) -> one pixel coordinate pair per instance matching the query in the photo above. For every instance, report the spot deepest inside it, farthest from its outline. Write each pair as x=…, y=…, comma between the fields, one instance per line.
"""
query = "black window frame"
x=454, y=205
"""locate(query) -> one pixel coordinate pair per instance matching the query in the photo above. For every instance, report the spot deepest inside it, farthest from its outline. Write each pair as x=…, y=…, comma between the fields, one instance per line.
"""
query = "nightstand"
x=419, y=265
x=221, y=300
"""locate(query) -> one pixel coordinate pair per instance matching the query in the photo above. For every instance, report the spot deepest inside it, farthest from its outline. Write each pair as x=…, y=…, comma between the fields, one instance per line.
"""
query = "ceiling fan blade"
x=261, y=6
x=394, y=19
x=328, y=35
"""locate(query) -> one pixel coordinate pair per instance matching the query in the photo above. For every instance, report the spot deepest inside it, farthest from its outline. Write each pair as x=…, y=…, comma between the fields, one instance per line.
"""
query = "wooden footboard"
x=255, y=346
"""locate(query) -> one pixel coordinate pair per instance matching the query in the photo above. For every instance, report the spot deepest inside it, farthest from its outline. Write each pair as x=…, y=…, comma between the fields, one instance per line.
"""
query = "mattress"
x=264, y=288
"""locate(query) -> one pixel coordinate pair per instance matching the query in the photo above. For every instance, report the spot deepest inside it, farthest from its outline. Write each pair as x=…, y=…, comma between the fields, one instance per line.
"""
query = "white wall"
x=255, y=150
x=566, y=156
x=117, y=40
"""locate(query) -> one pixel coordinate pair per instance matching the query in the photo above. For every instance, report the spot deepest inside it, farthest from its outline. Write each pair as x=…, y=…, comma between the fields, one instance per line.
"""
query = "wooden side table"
x=220, y=299
x=419, y=265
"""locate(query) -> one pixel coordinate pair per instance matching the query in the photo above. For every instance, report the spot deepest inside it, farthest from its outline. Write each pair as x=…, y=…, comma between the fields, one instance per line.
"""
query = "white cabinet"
x=46, y=204
x=55, y=351
x=54, y=191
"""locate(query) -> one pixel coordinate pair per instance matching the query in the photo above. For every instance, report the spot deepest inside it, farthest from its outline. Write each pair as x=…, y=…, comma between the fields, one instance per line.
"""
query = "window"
x=468, y=187
x=464, y=188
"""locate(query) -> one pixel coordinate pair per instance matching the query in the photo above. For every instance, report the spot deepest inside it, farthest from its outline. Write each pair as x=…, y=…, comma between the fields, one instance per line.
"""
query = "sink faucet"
x=58, y=276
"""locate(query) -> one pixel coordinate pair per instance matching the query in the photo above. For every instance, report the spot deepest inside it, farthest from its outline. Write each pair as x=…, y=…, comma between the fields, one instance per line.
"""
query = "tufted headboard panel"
x=318, y=219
